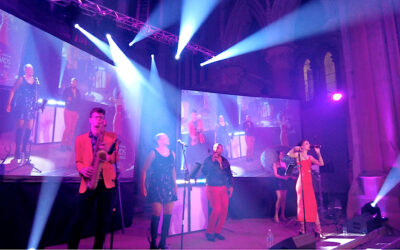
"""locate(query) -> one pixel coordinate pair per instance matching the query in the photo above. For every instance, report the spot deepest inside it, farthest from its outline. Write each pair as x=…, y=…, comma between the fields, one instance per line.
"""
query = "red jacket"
x=196, y=132
x=84, y=156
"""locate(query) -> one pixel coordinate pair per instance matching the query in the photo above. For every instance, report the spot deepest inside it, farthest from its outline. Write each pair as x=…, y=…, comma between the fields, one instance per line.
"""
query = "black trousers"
x=99, y=201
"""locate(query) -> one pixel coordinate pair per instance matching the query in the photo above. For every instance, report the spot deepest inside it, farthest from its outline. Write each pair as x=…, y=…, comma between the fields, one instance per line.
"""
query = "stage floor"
x=240, y=234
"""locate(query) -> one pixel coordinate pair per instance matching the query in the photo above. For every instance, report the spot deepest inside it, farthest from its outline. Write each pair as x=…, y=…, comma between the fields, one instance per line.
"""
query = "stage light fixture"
x=108, y=36
x=131, y=44
x=373, y=209
x=77, y=26
x=152, y=56
x=337, y=96
x=177, y=57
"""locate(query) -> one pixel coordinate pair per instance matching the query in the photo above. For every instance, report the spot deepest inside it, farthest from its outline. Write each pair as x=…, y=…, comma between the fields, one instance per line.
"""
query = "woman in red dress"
x=306, y=191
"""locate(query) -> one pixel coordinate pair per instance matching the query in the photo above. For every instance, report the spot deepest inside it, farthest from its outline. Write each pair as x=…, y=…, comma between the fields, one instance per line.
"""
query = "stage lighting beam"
x=99, y=43
x=194, y=13
x=392, y=179
x=281, y=31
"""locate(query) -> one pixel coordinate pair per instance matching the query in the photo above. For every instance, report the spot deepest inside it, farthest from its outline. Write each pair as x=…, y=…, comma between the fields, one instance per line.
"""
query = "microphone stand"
x=119, y=200
x=302, y=194
x=186, y=180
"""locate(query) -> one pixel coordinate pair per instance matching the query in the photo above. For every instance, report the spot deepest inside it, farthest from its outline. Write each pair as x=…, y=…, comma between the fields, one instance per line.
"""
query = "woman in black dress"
x=24, y=97
x=279, y=168
x=222, y=135
x=160, y=187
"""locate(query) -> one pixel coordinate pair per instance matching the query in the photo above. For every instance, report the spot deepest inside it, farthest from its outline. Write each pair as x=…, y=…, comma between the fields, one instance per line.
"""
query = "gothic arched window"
x=330, y=73
x=308, y=81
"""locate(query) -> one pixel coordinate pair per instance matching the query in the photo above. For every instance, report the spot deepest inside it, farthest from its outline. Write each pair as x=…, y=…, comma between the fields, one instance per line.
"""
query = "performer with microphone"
x=23, y=100
x=71, y=96
x=160, y=187
x=219, y=189
x=307, y=210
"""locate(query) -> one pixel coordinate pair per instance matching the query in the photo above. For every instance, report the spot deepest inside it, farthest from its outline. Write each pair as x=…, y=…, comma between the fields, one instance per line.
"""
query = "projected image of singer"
x=22, y=102
x=196, y=150
x=94, y=160
x=71, y=96
x=219, y=189
x=304, y=189
x=160, y=188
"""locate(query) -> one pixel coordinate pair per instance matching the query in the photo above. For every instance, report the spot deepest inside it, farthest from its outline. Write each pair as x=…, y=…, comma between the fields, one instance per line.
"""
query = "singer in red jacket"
x=103, y=194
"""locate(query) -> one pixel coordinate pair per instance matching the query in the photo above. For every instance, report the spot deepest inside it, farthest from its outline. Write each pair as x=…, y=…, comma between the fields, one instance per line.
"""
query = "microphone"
x=182, y=143
x=316, y=146
x=37, y=81
x=112, y=148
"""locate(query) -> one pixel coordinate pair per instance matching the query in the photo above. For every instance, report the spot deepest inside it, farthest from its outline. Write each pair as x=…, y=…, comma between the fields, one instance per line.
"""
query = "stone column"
x=371, y=55
x=281, y=60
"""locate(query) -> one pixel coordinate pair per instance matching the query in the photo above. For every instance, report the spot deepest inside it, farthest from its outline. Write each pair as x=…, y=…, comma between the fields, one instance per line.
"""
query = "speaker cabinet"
x=305, y=241
x=363, y=224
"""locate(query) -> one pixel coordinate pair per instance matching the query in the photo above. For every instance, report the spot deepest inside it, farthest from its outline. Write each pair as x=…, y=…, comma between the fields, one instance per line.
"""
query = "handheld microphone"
x=182, y=143
x=316, y=146
x=37, y=81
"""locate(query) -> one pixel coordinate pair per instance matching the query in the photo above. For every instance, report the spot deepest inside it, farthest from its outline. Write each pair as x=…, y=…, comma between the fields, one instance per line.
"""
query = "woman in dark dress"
x=222, y=135
x=24, y=97
x=160, y=187
x=279, y=168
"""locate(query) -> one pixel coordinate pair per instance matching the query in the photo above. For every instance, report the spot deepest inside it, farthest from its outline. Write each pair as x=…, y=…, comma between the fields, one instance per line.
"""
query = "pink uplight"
x=337, y=97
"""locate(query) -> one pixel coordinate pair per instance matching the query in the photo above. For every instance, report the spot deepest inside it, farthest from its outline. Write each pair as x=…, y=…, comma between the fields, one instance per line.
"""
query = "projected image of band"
x=251, y=129
x=48, y=88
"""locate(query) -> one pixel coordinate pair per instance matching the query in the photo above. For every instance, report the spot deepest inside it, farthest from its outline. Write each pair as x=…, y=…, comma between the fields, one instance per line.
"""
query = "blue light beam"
x=168, y=7
x=194, y=13
x=103, y=47
x=126, y=70
x=392, y=179
x=281, y=31
x=48, y=193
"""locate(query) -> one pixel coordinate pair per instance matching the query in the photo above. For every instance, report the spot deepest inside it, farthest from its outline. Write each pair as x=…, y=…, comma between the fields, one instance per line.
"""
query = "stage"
x=240, y=234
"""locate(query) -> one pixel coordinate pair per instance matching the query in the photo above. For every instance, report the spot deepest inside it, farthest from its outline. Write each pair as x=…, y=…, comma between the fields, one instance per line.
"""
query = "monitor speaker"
x=305, y=241
x=363, y=224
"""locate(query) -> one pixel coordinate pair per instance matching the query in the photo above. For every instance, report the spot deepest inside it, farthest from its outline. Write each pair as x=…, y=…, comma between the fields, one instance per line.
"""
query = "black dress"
x=281, y=184
x=25, y=100
x=222, y=134
x=160, y=182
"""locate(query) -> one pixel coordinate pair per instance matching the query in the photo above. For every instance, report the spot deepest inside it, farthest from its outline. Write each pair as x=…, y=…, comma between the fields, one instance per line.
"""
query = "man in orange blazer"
x=104, y=192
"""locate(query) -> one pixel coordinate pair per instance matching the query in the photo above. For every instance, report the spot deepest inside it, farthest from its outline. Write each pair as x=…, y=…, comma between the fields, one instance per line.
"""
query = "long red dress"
x=309, y=195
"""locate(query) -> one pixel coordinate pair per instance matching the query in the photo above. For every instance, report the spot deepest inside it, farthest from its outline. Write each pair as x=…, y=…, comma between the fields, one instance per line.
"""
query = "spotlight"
x=366, y=222
x=202, y=64
x=130, y=44
x=77, y=26
x=337, y=97
x=177, y=57
x=152, y=56
x=372, y=209
x=108, y=36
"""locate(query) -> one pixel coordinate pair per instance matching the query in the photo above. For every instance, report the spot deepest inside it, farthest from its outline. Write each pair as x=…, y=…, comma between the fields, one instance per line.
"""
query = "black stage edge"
x=19, y=198
x=255, y=197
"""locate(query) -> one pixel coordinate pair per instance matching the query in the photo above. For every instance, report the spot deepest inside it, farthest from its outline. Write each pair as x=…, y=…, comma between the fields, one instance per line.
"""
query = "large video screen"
x=251, y=129
x=48, y=148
